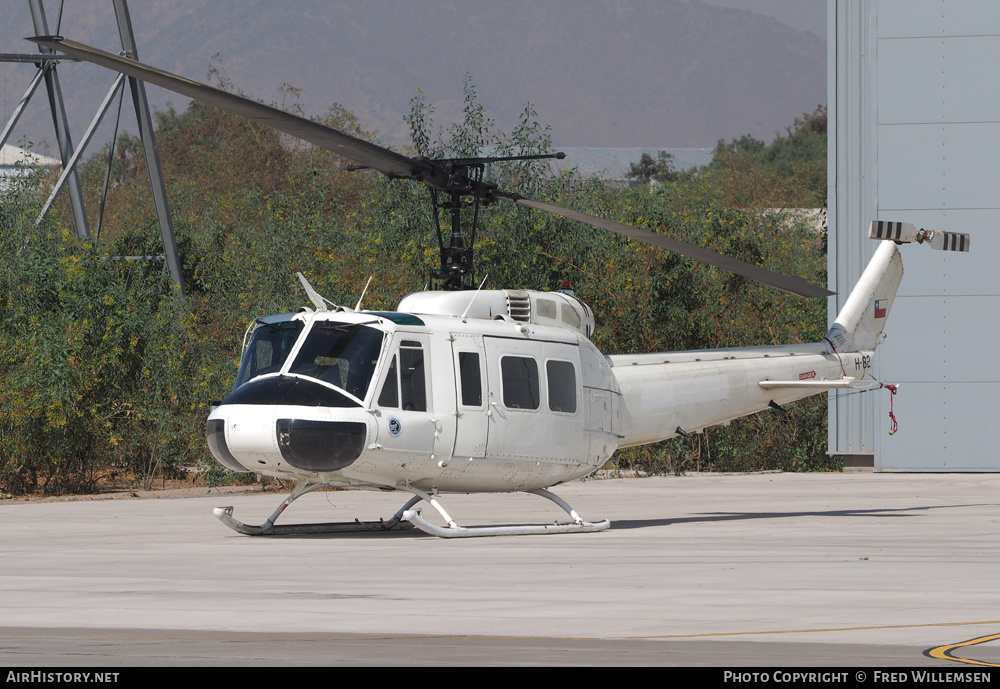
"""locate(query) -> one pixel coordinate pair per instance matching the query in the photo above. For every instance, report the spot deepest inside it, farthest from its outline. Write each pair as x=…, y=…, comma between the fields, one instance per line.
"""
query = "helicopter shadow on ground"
x=354, y=535
x=702, y=517
x=407, y=533
x=626, y=524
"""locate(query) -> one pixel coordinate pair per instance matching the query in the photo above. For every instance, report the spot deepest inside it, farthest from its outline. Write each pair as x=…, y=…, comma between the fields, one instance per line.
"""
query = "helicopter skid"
x=456, y=531
x=453, y=530
x=225, y=515
x=268, y=528
x=407, y=518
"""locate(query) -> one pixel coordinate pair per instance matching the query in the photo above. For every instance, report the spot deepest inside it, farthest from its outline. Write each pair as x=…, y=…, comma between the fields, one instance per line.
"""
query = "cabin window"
x=406, y=383
x=570, y=317
x=340, y=354
x=561, y=379
x=471, y=379
x=412, y=378
x=546, y=308
x=389, y=397
x=519, y=375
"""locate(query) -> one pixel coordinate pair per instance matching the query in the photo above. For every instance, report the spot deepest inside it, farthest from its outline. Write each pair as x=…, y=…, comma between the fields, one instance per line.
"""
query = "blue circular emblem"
x=394, y=425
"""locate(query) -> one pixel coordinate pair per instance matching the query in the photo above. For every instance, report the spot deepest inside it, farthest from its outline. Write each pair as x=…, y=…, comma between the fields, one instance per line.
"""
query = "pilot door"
x=405, y=424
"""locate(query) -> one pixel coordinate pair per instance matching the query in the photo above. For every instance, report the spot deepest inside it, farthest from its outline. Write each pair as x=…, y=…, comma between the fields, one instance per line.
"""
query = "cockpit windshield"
x=341, y=354
x=268, y=349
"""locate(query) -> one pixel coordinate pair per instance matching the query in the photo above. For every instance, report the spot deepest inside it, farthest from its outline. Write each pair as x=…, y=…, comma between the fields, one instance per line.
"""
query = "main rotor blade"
x=396, y=165
x=376, y=157
x=794, y=285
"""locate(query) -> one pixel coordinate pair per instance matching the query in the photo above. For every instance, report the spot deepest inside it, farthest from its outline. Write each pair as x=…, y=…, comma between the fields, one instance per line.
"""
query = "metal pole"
x=20, y=106
x=145, y=122
x=69, y=168
x=61, y=122
x=35, y=58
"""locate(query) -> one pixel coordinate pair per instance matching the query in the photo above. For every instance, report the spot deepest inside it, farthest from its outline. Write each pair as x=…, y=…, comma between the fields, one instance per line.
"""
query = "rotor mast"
x=465, y=179
x=456, y=258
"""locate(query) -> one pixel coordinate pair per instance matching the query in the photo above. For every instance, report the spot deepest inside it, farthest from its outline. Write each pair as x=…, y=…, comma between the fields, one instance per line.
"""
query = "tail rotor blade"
x=905, y=233
x=949, y=241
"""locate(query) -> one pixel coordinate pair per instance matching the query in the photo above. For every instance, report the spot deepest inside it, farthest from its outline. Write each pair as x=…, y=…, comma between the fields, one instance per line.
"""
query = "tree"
x=648, y=169
x=798, y=157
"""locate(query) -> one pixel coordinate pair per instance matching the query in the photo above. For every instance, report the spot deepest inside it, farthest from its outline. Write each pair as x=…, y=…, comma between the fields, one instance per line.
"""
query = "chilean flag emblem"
x=880, y=305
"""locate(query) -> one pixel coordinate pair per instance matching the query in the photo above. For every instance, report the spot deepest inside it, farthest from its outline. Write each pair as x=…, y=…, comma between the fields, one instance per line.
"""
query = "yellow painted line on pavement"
x=944, y=652
x=814, y=631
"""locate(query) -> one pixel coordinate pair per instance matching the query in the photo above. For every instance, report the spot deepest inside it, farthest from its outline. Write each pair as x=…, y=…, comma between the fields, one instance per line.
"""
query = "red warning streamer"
x=893, y=425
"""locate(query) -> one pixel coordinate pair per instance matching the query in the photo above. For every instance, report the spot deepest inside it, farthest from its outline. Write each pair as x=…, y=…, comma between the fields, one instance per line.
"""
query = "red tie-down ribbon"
x=893, y=426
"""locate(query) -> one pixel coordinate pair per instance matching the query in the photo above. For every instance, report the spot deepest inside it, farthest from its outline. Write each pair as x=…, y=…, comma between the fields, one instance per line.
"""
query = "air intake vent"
x=518, y=305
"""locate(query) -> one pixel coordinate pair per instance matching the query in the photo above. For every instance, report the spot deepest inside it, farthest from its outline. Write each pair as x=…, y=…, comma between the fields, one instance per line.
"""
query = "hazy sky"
x=805, y=15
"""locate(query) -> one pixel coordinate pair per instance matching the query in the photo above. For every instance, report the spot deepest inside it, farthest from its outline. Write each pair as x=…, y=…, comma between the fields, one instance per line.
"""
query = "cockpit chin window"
x=340, y=354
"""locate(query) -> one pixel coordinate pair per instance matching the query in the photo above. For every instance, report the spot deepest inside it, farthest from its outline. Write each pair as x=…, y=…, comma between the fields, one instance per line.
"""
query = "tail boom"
x=663, y=399
x=669, y=394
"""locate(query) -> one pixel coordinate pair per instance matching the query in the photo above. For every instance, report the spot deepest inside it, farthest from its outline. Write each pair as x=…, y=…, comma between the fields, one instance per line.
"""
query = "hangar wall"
x=914, y=106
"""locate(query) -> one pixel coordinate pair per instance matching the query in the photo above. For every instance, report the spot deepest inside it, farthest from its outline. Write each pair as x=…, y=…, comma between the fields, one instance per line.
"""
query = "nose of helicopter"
x=215, y=434
x=280, y=440
x=266, y=435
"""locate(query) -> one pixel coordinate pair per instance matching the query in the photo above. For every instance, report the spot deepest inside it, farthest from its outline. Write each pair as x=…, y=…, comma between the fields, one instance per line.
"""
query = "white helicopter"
x=469, y=391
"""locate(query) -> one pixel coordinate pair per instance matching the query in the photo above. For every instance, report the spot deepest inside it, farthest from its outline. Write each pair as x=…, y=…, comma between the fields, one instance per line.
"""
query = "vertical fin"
x=862, y=318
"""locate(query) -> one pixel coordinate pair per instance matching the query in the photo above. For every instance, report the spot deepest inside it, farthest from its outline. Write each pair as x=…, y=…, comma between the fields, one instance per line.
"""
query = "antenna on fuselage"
x=357, y=307
x=478, y=290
